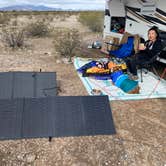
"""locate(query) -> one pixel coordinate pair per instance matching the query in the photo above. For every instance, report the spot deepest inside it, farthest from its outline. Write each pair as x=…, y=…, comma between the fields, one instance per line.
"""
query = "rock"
x=30, y=158
x=58, y=61
x=79, y=164
x=20, y=157
x=47, y=53
x=66, y=61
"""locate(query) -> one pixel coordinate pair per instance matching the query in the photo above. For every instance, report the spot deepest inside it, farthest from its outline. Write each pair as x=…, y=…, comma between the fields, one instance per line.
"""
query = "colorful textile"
x=122, y=81
x=86, y=66
x=115, y=75
x=128, y=85
x=125, y=50
x=109, y=70
x=96, y=69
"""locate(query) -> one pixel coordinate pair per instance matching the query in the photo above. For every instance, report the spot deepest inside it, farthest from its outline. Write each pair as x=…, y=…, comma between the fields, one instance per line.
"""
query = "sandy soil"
x=140, y=125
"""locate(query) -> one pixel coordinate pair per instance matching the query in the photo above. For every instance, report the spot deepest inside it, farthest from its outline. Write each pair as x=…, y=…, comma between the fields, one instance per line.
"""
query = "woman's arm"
x=157, y=47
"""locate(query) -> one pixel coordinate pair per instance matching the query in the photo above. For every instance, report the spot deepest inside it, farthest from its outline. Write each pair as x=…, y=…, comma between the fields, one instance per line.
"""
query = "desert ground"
x=140, y=125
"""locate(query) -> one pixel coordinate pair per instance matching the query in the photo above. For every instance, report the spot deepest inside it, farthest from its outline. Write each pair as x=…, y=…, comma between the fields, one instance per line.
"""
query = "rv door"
x=117, y=16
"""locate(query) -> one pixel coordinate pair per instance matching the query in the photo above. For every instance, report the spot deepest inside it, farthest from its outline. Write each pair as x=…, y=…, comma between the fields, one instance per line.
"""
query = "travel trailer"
x=135, y=17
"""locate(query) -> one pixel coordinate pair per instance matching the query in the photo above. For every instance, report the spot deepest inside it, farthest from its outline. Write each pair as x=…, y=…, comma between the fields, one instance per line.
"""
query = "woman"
x=146, y=51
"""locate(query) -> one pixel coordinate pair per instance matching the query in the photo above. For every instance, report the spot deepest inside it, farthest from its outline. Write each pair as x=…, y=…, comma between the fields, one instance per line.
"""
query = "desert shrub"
x=30, y=17
x=94, y=20
x=51, y=18
x=66, y=41
x=44, y=19
x=13, y=37
x=14, y=23
x=62, y=17
x=56, y=16
x=37, y=29
x=4, y=19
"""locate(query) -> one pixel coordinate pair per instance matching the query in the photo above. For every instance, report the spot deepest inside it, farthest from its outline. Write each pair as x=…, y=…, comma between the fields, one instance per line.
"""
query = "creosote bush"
x=66, y=41
x=4, y=19
x=94, y=20
x=13, y=37
x=37, y=29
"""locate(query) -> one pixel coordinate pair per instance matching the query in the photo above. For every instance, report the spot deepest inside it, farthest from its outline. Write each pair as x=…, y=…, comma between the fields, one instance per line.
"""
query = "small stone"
x=106, y=163
x=30, y=158
x=20, y=157
x=65, y=60
x=58, y=61
x=125, y=157
x=79, y=164
x=47, y=53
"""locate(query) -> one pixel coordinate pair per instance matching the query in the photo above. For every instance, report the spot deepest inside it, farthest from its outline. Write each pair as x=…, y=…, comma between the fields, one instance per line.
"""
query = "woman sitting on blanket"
x=110, y=70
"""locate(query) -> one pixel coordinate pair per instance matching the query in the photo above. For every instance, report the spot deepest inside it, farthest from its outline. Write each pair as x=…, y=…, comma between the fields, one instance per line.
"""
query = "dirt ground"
x=140, y=125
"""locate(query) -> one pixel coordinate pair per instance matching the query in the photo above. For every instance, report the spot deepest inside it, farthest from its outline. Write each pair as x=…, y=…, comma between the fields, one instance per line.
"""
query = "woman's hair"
x=154, y=28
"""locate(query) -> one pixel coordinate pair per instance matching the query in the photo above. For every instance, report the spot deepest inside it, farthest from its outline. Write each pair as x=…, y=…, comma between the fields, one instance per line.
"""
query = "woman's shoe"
x=134, y=77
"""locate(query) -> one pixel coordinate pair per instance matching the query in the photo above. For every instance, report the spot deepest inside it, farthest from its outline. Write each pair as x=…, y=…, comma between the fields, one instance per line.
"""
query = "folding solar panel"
x=27, y=84
x=11, y=118
x=61, y=116
x=29, y=108
x=6, y=85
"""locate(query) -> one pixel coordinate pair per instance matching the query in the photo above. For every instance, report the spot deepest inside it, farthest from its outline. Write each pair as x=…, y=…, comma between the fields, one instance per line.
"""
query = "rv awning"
x=117, y=8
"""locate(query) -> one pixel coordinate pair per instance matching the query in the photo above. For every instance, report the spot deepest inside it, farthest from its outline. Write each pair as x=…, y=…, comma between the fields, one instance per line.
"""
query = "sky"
x=64, y=4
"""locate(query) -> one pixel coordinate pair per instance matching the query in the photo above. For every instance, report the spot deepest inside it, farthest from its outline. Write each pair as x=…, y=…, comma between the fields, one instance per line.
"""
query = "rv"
x=135, y=17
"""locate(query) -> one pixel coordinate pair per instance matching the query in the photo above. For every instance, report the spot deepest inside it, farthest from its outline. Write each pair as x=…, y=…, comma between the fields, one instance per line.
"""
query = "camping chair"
x=150, y=65
x=162, y=57
x=123, y=51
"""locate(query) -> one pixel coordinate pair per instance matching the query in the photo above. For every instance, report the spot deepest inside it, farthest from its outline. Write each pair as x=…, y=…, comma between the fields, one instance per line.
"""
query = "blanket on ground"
x=151, y=87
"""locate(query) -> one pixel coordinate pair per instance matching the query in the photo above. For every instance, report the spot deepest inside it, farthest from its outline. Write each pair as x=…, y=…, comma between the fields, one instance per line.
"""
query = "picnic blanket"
x=151, y=87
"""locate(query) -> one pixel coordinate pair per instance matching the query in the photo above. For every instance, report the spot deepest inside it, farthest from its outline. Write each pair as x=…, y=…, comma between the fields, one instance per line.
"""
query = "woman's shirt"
x=152, y=48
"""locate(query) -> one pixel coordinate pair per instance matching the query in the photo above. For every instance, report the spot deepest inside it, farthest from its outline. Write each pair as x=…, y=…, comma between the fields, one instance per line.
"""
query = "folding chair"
x=150, y=65
x=125, y=49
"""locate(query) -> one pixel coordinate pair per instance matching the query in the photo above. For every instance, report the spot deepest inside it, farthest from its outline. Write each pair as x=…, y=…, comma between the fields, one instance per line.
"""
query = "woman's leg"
x=136, y=60
x=131, y=65
x=128, y=63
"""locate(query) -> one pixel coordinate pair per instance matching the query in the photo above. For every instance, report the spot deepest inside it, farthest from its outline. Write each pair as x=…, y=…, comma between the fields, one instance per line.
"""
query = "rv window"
x=118, y=24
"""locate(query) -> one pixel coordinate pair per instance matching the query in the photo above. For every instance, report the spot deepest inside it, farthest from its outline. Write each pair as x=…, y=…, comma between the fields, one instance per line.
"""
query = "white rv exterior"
x=134, y=16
